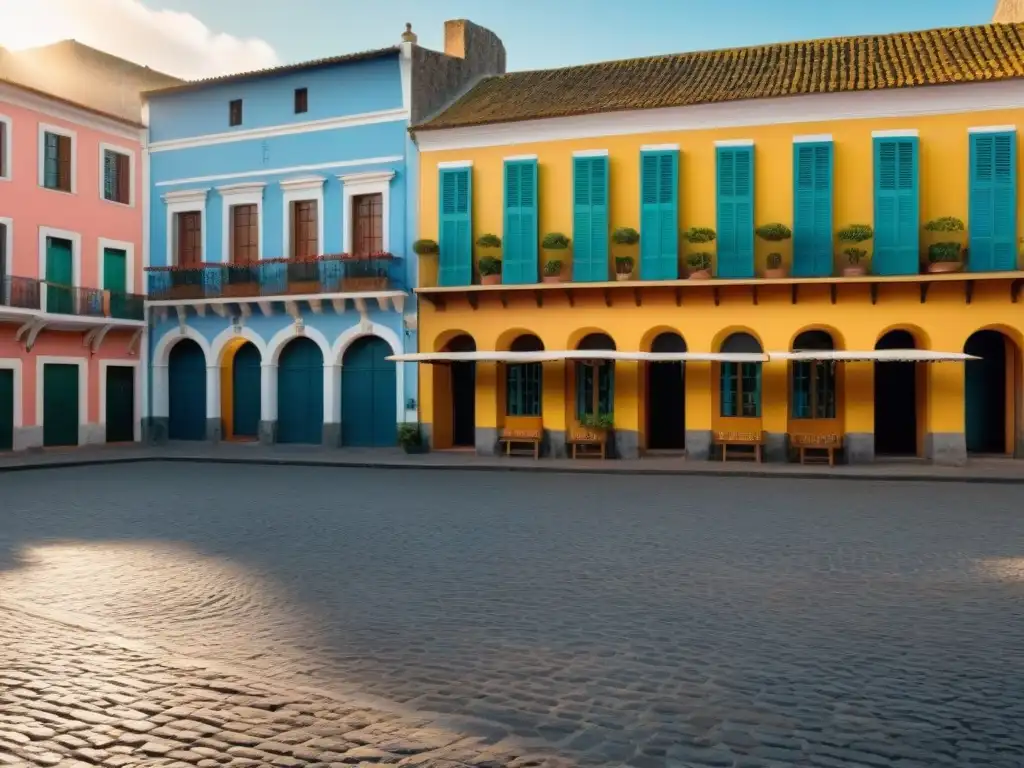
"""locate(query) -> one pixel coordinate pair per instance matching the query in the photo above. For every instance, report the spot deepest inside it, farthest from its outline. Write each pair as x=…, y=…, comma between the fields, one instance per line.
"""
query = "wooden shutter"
x=520, y=230
x=190, y=239
x=3, y=148
x=64, y=163
x=897, y=206
x=735, y=211
x=590, y=219
x=368, y=228
x=993, y=202
x=124, y=178
x=812, y=209
x=305, y=229
x=659, y=215
x=244, y=234
x=455, y=265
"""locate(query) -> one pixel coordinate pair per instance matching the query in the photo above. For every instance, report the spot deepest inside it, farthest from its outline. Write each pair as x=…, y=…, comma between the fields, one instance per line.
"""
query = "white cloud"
x=168, y=41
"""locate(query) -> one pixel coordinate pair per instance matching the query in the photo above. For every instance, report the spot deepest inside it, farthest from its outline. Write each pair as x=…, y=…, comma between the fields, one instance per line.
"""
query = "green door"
x=186, y=385
x=6, y=409
x=985, y=393
x=59, y=276
x=115, y=279
x=300, y=393
x=245, y=392
x=368, y=405
x=60, y=404
x=120, y=397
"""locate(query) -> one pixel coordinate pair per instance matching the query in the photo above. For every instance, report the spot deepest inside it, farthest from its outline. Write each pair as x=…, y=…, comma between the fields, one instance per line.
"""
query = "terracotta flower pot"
x=551, y=279
x=623, y=275
x=701, y=274
x=774, y=273
x=855, y=270
x=943, y=266
x=490, y=279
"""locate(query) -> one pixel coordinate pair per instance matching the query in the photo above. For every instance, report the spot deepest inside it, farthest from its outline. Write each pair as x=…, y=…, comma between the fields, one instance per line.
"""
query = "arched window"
x=523, y=381
x=741, y=382
x=814, y=381
x=595, y=380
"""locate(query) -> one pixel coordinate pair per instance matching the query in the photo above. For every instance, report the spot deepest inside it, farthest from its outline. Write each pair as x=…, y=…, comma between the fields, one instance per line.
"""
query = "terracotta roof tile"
x=831, y=65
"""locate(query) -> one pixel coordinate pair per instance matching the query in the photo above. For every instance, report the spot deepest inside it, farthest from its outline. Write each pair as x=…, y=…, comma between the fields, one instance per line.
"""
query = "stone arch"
x=577, y=336
x=647, y=340
x=742, y=342
x=161, y=382
x=162, y=351
x=446, y=337
x=345, y=340
x=838, y=342
x=920, y=337
x=596, y=340
x=507, y=338
x=225, y=337
x=280, y=339
x=720, y=338
x=993, y=392
x=900, y=395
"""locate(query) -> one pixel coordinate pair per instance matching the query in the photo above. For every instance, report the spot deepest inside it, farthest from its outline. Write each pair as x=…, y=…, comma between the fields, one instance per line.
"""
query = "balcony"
x=336, y=278
x=19, y=292
x=93, y=302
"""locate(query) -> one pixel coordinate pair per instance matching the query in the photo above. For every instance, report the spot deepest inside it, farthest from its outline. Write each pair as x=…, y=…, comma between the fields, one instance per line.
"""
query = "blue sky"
x=551, y=33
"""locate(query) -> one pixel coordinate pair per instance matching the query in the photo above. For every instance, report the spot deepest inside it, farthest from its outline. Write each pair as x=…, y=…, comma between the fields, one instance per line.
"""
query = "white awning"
x=704, y=357
x=580, y=355
x=474, y=357
x=875, y=356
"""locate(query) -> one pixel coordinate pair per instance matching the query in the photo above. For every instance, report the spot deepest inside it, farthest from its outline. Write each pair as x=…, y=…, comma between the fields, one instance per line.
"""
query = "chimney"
x=455, y=38
x=1008, y=12
x=409, y=36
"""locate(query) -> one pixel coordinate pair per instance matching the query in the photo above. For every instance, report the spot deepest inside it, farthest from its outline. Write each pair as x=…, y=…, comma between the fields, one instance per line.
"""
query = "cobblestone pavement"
x=656, y=622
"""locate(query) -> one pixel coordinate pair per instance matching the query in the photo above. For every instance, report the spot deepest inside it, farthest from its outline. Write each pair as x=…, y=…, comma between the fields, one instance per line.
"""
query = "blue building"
x=282, y=210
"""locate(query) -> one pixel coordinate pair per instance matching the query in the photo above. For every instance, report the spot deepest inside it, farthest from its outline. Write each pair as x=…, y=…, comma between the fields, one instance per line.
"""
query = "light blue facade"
x=353, y=138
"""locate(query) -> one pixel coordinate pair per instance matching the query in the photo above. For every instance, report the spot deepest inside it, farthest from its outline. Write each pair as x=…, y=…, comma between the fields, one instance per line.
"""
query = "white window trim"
x=83, y=386
x=184, y=201
x=137, y=398
x=455, y=164
x=735, y=143
x=44, y=129
x=240, y=194
x=294, y=190
x=369, y=183
x=514, y=158
x=14, y=364
x=659, y=148
x=120, y=245
x=812, y=138
x=992, y=129
x=104, y=148
x=591, y=153
x=7, y=149
x=76, y=257
x=897, y=133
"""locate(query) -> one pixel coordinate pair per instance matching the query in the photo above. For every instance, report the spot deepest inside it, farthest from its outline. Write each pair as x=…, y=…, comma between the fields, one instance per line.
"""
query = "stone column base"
x=859, y=447
x=776, y=447
x=213, y=430
x=267, y=432
x=28, y=438
x=486, y=441
x=92, y=434
x=332, y=435
x=154, y=430
x=555, y=439
x=626, y=444
x=698, y=444
x=949, y=448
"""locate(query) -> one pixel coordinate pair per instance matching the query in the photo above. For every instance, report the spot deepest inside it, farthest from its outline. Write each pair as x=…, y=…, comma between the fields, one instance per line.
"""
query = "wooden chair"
x=753, y=440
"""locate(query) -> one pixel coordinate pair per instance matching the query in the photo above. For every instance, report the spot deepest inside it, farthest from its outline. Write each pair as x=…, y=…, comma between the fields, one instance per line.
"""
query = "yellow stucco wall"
x=943, y=323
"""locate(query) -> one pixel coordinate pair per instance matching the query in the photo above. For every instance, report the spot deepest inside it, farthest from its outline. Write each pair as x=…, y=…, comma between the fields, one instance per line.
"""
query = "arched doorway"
x=595, y=380
x=813, y=382
x=245, y=392
x=666, y=397
x=985, y=394
x=740, y=382
x=369, y=414
x=300, y=393
x=463, y=394
x=896, y=399
x=186, y=391
x=524, y=382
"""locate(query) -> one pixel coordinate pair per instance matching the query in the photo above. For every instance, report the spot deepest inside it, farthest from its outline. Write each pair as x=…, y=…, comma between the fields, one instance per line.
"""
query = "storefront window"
x=522, y=389
x=588, y=401
x=741, y=389
x=814, y=389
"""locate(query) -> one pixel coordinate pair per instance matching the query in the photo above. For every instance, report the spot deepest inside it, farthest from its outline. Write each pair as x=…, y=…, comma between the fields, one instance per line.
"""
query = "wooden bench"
x=586, y=442
x=528, y=437
x=807, y=442
x=753, y=440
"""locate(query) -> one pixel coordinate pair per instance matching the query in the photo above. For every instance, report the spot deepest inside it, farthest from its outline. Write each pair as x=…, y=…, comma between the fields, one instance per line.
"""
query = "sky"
x=201, y=38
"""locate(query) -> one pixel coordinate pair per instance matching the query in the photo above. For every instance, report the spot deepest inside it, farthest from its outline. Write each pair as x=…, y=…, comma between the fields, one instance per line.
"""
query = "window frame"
x=104, y=148
x=116, y=245
x=45, y=128
x=522, y=385
x=6, y=148
x=231, y=196
x=184, y=201
x=310, y=188
x=356, y=199
x=369, y=182
x=604, y=368
x=735, y=374
x=301, y=94
x=232, y=105
x=814, y=368
x=75, y=238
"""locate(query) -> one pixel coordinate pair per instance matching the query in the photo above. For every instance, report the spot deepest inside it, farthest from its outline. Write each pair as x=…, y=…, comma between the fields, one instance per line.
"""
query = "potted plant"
x=426, y=248
x=774, y=233
x=853, y=236
x=624, y=237
x=552, y=271
x=554, y=241
x=411, y=438
x=945, y=255
x=490, y=270
x=700, y=265
x=598, y=422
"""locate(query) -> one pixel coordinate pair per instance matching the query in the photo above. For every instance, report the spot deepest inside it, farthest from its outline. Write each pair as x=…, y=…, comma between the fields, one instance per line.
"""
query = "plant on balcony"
x=552, y=271
x=490, y=270
x=774, y=268
x=946, y=246
x=700, y=265
x=410, y=437
x=488, y=241
x=696, y=235
x=774, y=233
x=853, y=235
x=599, y=422
x=945, y=224
x=624, y=267
x=554, y=241
x=624, y=238
x=365, y=271
x=426, y=248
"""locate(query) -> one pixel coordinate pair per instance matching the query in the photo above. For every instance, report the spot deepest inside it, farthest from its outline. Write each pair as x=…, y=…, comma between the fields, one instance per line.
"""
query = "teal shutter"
x=590, y=219
x=659, y=215
x=519, y=254
x=109, y=175
x=812, y=209
x=455, y=262
x=897, y=206
x=992, y=215
x=735, y=207
x=51, y=164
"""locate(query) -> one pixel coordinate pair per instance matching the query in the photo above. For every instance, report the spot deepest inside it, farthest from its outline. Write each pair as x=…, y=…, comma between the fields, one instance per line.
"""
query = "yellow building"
x=811, y=340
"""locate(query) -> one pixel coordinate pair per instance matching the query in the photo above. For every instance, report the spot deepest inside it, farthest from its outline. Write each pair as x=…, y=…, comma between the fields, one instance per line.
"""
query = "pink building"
x=71, y=309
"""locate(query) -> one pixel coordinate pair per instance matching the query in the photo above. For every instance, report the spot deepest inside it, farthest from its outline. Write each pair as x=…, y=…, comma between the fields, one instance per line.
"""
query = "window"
x=741, y=389
x=305, y=243
x=5, y=148
x=245, y=234
x=117, y=177
x=3, y=259
x=235, y=112
x=301, y=100
x=57, y=161
x=595, y=385
x=189, y=242
x=367, y=221
x=814, y=389
x=522, y=389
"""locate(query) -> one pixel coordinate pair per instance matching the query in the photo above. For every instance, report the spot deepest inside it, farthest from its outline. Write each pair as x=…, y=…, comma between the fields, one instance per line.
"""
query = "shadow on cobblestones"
x=653, y=622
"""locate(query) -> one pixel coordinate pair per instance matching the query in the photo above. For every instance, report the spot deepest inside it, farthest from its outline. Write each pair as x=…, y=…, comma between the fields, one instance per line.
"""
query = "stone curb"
x=785, y=474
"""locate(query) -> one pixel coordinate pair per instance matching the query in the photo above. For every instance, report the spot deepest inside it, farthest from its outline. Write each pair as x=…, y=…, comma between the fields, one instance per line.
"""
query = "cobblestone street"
x=190, y=614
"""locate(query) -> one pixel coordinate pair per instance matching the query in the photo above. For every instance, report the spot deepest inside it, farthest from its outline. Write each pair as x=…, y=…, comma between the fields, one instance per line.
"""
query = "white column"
x=213, y=391
x=332, y=393
x=268, y=392
x=161, y=396
x=144, y=374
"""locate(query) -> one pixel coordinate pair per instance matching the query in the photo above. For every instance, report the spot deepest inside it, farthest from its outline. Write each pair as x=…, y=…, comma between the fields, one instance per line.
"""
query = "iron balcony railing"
x=93, y=302
x=19, y=292
x=276, y=277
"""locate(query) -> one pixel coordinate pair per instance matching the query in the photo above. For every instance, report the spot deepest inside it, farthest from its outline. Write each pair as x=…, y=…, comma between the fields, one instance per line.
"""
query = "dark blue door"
x=245, y=392
x=6, y=408
x=300, y=393
x=186, y=378
x=368, y=405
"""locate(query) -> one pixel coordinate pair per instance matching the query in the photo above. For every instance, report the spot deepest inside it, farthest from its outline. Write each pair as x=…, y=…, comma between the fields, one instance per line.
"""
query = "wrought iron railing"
x=275, y=277
x=19, y=292
x=93, y=302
